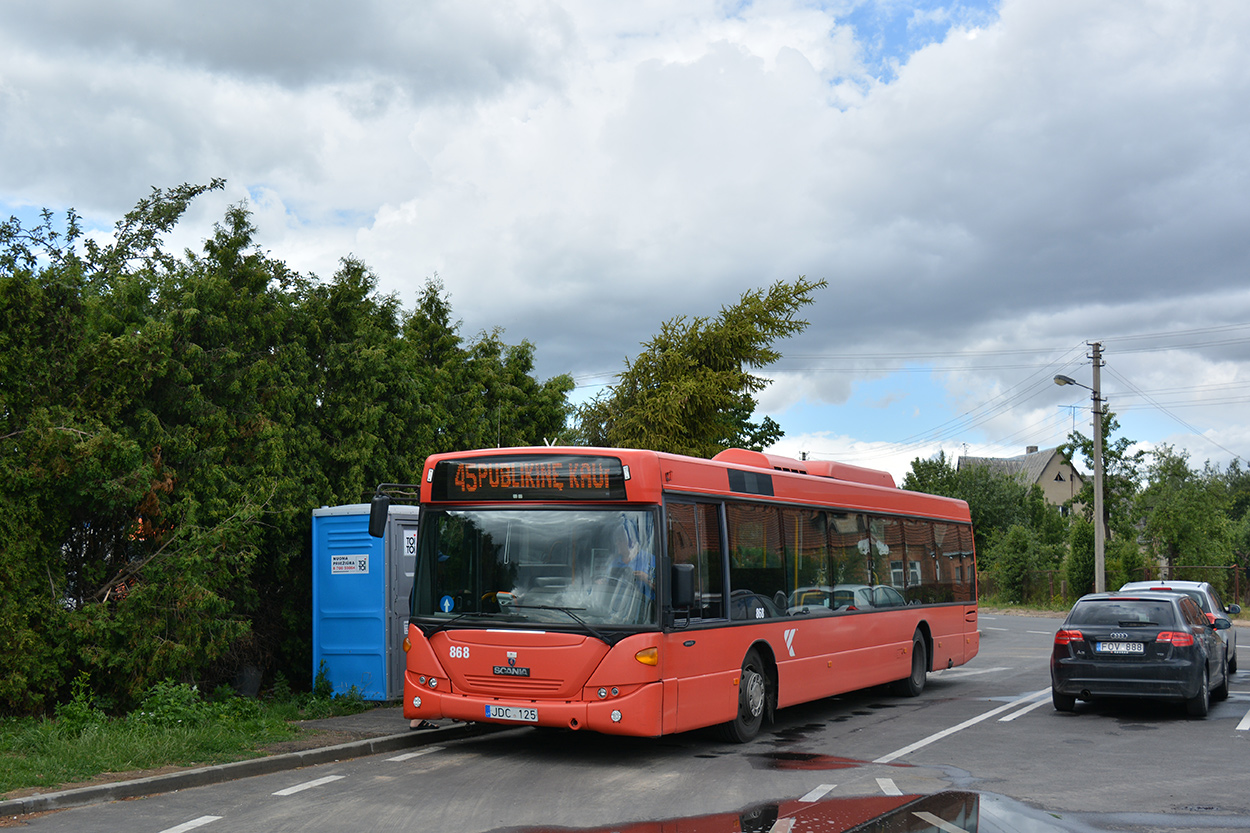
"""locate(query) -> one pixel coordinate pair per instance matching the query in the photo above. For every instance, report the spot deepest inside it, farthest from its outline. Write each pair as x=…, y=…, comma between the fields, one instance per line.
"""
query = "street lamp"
x=1100, y=560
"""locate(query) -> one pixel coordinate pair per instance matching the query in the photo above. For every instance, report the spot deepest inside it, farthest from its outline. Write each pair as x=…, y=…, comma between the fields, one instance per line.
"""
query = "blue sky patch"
x=890, y=32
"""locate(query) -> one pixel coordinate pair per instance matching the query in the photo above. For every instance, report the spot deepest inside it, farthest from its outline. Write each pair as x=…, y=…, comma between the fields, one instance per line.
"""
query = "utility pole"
x=1100, y=535
x=1100, y=544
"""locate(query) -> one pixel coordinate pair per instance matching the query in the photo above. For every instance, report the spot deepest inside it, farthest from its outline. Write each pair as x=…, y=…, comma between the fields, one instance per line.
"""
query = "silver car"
x=1208, y=600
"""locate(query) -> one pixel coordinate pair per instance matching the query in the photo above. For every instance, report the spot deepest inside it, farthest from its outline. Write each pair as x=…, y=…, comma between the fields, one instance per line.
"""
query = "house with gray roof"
x=1047, y=468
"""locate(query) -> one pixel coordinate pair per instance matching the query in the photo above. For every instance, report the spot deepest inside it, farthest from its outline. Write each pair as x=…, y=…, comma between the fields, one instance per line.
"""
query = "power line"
x=1196, y=432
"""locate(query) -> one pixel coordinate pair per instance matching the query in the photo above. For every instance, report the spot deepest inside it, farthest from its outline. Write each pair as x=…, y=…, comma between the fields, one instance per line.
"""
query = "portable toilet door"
x=360, y=598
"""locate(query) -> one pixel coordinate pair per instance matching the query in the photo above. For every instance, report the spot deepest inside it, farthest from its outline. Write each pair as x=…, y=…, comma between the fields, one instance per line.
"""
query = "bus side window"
x=848, y=546
x=806, y=544
x=920, y=560
x=883, y=550
x=757, y=570
x=946, y=562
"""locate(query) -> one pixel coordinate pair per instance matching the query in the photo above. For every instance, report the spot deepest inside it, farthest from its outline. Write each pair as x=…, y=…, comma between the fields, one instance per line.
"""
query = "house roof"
x=1028, y=467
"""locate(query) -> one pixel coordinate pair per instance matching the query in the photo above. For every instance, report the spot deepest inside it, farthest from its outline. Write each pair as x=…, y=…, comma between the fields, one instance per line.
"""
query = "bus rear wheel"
x=913, y=684
x=752, y=700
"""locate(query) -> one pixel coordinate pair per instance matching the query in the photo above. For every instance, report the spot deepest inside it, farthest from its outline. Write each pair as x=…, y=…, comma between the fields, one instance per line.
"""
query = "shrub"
x=168, y=703
x=80, y=712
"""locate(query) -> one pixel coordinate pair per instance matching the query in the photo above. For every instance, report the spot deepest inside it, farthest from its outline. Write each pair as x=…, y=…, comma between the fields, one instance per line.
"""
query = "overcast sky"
x=986, y=186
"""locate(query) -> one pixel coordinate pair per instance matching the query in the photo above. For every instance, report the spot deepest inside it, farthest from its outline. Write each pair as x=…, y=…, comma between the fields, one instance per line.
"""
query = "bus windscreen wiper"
x=442, y=626
x=572, y=615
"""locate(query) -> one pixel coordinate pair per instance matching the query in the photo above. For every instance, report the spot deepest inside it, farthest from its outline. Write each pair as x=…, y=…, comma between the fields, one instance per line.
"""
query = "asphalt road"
x=980, y=750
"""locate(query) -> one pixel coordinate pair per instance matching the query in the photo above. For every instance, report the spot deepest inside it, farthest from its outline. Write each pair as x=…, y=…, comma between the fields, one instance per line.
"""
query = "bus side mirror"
x=683, y=586
x=379, y=509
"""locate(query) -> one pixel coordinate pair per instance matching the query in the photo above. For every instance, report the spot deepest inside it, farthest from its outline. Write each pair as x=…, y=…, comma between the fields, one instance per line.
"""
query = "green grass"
x=174, y=726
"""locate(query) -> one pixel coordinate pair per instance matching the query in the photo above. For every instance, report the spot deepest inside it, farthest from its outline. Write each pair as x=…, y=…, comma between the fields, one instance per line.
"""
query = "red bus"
x=639, y=593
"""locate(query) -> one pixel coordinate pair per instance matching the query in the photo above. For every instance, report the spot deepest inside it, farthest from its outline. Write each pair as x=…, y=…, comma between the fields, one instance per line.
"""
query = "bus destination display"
x=522, y=477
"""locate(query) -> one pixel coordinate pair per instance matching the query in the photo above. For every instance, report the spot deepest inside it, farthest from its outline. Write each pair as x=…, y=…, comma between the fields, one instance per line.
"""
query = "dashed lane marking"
x=407, y=756
x=817, y=794
x=940, y=824
x=191, y=825
x=308, y=785
x=888, y=787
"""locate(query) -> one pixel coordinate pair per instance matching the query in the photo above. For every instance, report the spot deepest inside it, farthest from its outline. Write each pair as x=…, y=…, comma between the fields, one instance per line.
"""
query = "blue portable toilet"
x=360, y=588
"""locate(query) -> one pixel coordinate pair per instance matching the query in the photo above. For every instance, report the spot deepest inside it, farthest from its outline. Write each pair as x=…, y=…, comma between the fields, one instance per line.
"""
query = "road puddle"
x=802, y=762
x=952, y=811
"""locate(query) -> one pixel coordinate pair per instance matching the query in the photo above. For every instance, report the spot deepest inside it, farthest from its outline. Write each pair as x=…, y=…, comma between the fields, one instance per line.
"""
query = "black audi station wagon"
x=1154, y=645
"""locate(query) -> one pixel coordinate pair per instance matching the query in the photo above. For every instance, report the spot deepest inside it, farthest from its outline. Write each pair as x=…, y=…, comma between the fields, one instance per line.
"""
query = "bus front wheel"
x=752, y=699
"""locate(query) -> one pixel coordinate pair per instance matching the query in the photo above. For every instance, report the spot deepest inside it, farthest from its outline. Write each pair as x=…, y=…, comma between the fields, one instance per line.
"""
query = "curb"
x=173, y=781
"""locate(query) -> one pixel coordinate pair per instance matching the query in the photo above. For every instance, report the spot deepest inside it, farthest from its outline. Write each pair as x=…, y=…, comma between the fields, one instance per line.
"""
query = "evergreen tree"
x=167, y=424
x=690, y=391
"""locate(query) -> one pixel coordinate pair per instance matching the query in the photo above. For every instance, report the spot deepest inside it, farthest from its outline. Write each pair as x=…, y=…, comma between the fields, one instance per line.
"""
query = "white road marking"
x=410, y=755
x=1023, y=711
x=818, y=793
x=888, y=787
x=1244, y=725
x=940, y=824
x=952, y=730
x=307, y=785
x=946, y=673
x=191, y=825
x=782, y=825
x=996, y=629
x=1043, y=633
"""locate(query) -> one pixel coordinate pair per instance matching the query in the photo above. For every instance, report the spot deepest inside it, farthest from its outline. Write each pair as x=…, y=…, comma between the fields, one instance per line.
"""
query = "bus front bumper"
x=637, y=713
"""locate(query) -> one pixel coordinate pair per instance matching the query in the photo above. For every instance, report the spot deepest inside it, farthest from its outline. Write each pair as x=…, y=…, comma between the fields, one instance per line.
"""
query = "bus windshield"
x=591, y=567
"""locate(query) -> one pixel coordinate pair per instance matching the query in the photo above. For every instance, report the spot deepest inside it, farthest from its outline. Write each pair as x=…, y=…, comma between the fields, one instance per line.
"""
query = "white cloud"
x=577, y=173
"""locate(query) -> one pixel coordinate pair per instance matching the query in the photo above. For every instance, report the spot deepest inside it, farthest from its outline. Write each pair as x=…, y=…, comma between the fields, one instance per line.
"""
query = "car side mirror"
x=1221, y=624
x=1234, y=609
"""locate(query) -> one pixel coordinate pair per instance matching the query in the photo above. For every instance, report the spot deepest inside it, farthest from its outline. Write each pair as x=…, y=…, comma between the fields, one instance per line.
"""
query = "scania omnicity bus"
x=639, y=593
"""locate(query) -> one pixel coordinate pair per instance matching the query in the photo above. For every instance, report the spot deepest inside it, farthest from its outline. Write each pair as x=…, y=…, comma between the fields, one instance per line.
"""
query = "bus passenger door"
x=698, y=677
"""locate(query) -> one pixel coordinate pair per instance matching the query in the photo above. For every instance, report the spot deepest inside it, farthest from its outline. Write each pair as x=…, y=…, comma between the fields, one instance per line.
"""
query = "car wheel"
x=1232, y=663
x=752, y=699
x=1221, y=691
x=1063, y=702
x=1200, y=703
x=912, y=685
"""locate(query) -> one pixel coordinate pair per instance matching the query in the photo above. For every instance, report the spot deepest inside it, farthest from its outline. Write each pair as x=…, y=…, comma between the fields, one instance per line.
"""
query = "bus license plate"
x=1120, y=647
x=517, y=713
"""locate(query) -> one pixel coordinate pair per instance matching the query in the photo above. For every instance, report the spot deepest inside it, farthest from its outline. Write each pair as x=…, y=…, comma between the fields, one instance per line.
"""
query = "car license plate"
x=518, y=713
x=1119, y=647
